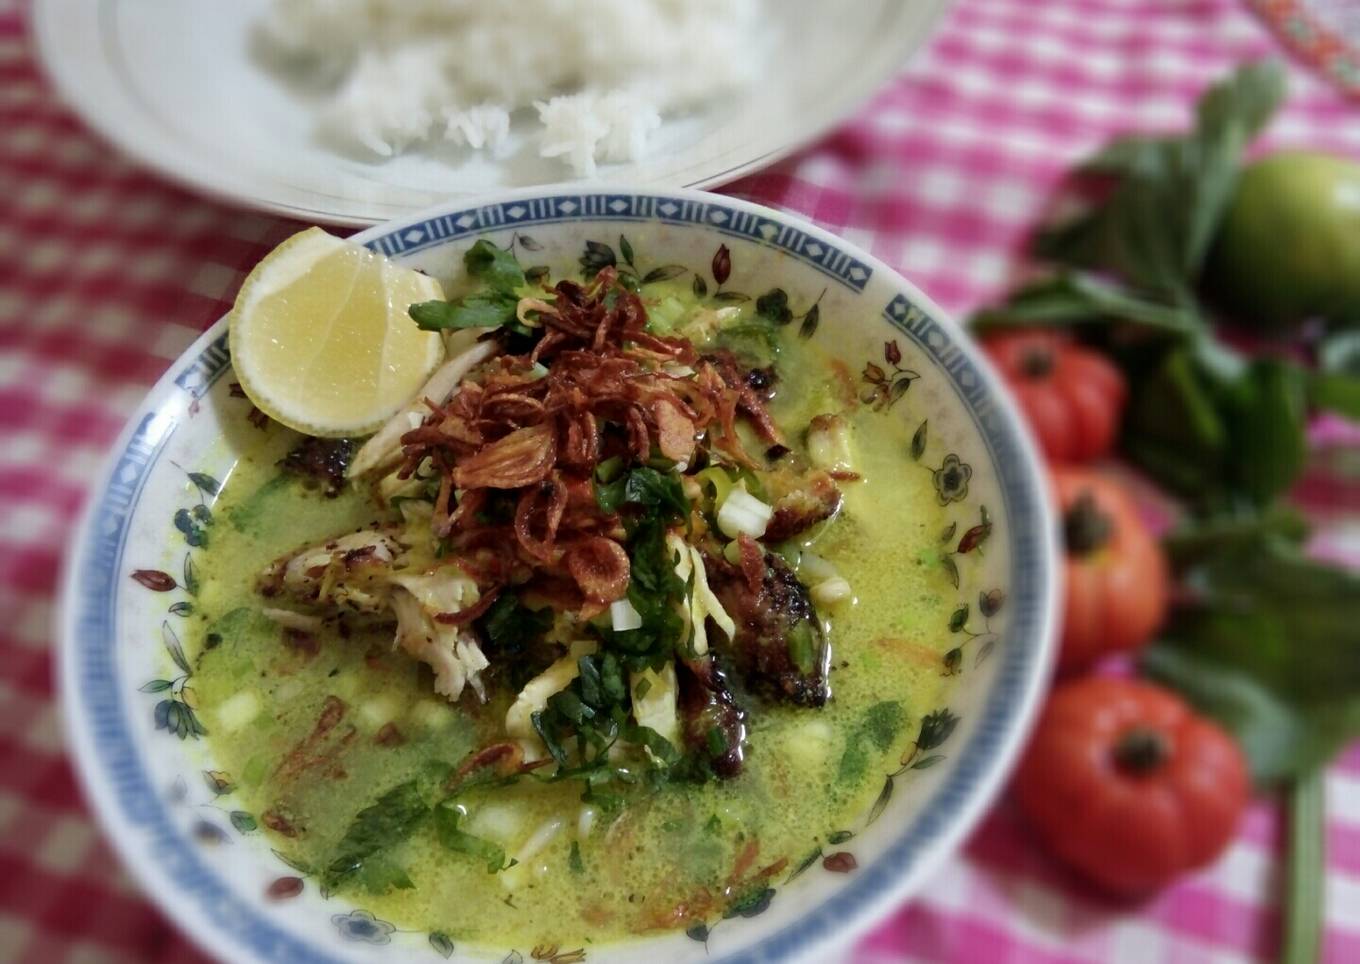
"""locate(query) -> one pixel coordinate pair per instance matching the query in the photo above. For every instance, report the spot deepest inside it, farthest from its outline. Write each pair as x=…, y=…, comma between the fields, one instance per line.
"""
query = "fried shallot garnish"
x=510, y=431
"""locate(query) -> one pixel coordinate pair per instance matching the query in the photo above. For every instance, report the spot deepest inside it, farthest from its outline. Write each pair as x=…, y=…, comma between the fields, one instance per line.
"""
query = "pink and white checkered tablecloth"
x=107, y=273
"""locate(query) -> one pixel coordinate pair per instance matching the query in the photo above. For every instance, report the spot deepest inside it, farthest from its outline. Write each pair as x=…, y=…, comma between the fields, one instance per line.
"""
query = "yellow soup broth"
x=683, y=852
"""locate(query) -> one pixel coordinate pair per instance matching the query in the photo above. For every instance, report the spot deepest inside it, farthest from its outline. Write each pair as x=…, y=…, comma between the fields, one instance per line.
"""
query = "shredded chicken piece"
x=348, y=572
x=452, y=652
x=809, y=500
x=654, y=705
x=385, y=445
x=371, y=572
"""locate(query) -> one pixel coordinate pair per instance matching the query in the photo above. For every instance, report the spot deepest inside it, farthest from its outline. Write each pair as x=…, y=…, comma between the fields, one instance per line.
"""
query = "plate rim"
x=184, y=170
x=990, y=769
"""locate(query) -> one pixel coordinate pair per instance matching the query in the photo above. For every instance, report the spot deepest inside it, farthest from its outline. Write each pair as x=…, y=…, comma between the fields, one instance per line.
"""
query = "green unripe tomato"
x=1289, y=246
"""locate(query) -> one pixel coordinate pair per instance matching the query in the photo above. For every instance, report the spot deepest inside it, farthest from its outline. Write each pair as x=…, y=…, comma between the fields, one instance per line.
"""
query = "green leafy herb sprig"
x=488, y=307
x=1222, y=430
x=365, y=854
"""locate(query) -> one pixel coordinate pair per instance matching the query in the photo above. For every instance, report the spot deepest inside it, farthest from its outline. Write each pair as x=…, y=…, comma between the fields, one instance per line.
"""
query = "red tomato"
x=1128, y=785
x=1116, y=575
x=1073, y=397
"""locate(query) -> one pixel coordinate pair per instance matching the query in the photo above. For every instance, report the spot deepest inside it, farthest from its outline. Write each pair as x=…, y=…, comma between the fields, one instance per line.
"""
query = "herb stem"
x=1304, y=871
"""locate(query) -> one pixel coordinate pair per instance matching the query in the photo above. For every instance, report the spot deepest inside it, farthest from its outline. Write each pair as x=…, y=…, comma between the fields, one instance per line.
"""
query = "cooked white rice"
x=600, y=74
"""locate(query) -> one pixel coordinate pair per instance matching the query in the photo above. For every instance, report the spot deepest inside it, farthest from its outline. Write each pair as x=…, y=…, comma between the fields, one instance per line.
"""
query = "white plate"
x=173, y=84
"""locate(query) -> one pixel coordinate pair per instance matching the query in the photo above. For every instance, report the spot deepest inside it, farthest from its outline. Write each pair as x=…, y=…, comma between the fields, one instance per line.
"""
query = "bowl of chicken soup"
x=696, y=606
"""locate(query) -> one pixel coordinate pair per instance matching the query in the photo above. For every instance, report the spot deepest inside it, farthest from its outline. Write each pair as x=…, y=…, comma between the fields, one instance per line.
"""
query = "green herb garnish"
x=643, y=486
x=495, y=306
x=482, y=310
x=376, y=828
x=883, y=723
x=1305, y=872
x=509, y=627
x=497, y=267
x=457, y=840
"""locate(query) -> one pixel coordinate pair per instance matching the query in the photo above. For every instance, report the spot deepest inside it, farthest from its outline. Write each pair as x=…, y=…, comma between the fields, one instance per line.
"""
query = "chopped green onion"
x=715, y=485
x=830, y=591
x=609, y=469
x=743, y=514
x=238, y=710
x=623, y=616
x=801, y=647
x=815, y=569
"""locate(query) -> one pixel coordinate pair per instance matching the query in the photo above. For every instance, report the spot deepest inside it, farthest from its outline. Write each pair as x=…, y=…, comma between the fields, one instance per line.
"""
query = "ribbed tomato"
x=1116, y=575
x=1128, y=785
x=1073, y=396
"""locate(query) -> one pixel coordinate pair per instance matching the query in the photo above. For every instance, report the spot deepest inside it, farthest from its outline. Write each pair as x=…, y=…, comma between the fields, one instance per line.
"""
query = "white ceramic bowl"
x=123, y=666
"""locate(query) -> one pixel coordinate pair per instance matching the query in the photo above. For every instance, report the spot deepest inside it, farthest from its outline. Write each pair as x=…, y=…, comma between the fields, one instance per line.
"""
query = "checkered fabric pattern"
x=107, y=273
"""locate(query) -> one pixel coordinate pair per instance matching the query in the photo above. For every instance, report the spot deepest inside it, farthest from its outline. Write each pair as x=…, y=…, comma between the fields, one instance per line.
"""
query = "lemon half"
x=321, y=339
